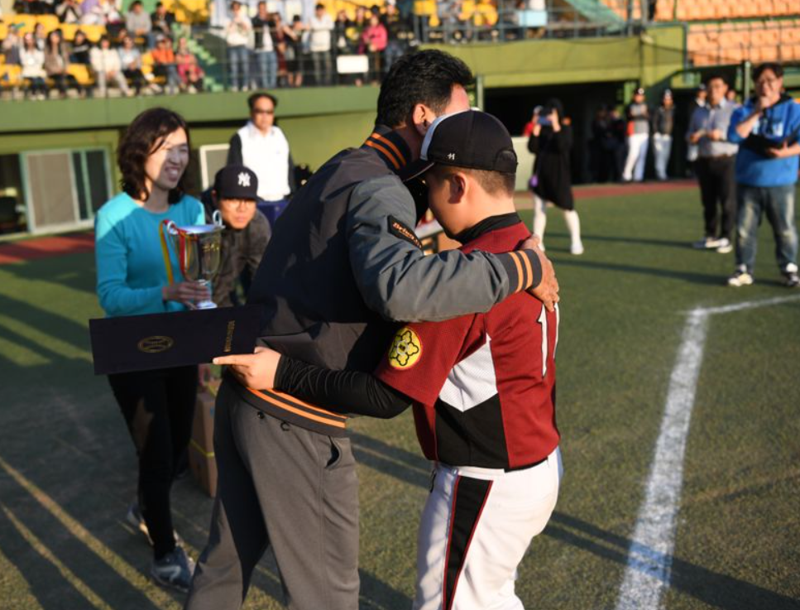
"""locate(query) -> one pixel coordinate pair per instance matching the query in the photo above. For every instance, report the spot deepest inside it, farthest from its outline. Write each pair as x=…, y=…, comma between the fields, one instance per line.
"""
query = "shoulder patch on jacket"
x=400, y=230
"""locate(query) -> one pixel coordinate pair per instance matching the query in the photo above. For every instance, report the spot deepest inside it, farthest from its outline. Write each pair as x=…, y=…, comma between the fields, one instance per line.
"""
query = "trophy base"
x=206, y=305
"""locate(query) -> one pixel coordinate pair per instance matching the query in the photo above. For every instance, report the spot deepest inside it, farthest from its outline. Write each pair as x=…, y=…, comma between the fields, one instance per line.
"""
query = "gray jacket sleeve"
x=400, y=283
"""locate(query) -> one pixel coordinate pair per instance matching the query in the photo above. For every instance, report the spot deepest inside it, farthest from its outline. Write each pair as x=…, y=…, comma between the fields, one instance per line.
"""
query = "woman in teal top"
x=131, y=280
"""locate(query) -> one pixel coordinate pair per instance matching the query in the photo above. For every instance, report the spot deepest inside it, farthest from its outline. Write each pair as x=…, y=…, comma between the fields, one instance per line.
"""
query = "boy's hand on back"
x=547, y=290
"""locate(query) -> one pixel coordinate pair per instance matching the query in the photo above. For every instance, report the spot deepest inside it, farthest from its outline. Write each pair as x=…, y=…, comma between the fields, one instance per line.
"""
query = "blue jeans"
x=267, y=64
x=272, y=209
x=778, y=204
x=239, y=66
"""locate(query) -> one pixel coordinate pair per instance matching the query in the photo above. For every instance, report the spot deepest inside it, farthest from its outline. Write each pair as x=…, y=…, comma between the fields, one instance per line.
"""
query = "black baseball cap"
x=236, y=182
x=471, y=139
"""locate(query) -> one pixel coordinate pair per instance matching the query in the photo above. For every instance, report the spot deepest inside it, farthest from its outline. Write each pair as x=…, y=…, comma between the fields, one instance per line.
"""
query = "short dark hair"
x=425, y=77
x=775, y=67
x=251, y=101
x=494, y=183
x=714, y=76
x=142, y=138
x=319, y=6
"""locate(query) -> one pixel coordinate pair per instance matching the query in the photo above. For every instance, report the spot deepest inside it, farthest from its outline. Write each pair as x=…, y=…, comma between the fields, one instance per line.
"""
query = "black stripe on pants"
x=717, y=178
x=158, y=407
x=469, y=497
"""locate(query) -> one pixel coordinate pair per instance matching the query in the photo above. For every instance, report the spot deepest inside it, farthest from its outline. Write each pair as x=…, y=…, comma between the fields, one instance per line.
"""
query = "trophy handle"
x=169, y=228
x=165, y=229
x=216, y=219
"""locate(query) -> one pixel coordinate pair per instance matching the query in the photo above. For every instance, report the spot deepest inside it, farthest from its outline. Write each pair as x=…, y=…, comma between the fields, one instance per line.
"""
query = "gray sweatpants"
x=287, y=487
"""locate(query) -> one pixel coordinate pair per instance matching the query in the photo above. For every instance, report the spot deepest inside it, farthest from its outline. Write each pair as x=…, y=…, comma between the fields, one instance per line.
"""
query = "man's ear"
x=421, y=118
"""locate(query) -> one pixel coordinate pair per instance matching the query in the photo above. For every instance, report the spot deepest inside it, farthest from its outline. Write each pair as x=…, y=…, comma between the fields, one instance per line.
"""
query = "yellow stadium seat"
x=424, y=7
x=81, y=73
x=195, y=6
x=68, y=30
x=3, y=31
x=10, y=76
x=467, y=10
x=94, y=32
x=50, y=22
x=26, y=23
x=485, y=14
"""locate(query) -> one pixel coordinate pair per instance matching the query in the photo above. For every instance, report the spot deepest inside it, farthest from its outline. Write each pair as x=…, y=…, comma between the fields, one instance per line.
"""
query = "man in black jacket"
x=345, y=262
x=246, y=233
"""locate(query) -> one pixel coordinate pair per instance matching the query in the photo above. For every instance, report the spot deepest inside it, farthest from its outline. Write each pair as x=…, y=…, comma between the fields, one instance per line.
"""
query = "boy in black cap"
x=482, y=387
x=246, y=233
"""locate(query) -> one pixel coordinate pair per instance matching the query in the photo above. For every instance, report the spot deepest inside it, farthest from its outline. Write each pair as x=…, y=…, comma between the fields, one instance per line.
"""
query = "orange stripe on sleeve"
x=515, y=258
x=527, y=262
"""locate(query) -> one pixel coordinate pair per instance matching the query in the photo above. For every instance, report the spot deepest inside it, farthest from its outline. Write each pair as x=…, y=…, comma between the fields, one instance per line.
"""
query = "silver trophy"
x=199, y=250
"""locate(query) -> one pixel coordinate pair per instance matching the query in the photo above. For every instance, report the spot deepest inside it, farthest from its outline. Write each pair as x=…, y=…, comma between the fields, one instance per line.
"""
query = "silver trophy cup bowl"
x=199, y=252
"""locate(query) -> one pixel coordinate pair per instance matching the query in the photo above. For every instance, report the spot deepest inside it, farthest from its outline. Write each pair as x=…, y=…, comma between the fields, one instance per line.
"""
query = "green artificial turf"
x=67, y=466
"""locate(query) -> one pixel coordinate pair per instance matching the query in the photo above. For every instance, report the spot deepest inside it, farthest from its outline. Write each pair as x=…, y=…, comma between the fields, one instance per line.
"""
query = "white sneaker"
x=725, y=246
x=740, y=278
x=576, y=249
x=707, y=243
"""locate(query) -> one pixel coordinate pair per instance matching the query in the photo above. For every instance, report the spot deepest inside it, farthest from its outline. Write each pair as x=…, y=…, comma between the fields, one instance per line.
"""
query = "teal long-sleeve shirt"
x=130, y=263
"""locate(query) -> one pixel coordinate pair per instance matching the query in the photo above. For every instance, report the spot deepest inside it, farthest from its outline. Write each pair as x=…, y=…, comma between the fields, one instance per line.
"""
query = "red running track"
x=45, y=247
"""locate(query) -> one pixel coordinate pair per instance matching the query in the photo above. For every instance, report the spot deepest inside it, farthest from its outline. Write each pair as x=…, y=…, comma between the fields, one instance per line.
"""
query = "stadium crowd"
x=267, y=44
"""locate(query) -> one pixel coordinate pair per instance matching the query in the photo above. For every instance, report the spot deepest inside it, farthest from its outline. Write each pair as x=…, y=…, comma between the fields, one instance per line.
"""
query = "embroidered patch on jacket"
x=406, y=349
x=403, y=232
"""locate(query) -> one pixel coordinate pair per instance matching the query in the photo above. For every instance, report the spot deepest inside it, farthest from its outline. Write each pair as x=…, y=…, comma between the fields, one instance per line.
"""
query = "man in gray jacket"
x=344, y=264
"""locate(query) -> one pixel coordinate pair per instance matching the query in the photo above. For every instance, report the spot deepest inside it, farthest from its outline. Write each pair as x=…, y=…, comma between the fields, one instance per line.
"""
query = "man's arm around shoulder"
x=399, y=282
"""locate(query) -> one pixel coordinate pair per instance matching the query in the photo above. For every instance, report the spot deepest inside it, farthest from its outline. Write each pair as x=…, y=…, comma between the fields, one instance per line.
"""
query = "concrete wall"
x=649, y=59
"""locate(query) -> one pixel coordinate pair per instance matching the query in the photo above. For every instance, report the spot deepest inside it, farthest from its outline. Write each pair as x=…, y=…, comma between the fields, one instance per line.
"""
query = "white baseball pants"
x=637, y=154
x=475, y=529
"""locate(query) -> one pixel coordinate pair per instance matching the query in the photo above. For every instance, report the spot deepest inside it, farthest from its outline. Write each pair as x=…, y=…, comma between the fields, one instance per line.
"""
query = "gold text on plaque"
x=155, y=344
x=229, y=336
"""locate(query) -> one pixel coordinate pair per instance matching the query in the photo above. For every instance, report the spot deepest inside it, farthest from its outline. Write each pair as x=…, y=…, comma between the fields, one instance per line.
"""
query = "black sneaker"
x=174, y=570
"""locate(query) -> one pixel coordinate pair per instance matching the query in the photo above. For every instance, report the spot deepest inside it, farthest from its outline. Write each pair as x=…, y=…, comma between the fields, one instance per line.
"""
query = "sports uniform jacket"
x=343, y=262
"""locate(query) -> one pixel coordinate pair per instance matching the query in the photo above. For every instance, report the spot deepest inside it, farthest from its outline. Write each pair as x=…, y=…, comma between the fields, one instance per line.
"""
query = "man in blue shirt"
x=767, y=128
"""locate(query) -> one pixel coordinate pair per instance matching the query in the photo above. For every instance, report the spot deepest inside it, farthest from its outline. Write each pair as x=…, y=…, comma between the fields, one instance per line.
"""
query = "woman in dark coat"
x=551, y=183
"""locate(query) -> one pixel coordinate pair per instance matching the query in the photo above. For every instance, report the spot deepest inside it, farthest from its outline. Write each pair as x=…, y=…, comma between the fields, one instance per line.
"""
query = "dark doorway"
x=514, y=107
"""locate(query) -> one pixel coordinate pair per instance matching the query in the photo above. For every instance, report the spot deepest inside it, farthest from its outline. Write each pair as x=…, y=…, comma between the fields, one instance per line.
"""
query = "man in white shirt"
x=261, y=146
x=237, y=37
x=321, y=27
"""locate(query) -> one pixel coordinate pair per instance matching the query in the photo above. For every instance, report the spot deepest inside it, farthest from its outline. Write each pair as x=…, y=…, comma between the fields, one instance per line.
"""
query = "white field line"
x=650, y=555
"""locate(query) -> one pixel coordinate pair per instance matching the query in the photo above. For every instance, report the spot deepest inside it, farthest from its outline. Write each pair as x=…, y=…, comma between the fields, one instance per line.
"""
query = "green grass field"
x=67, y=466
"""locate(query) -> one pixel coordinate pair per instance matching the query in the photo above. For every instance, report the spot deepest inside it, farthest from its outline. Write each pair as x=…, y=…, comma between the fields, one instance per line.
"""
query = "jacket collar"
x=390, y=147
